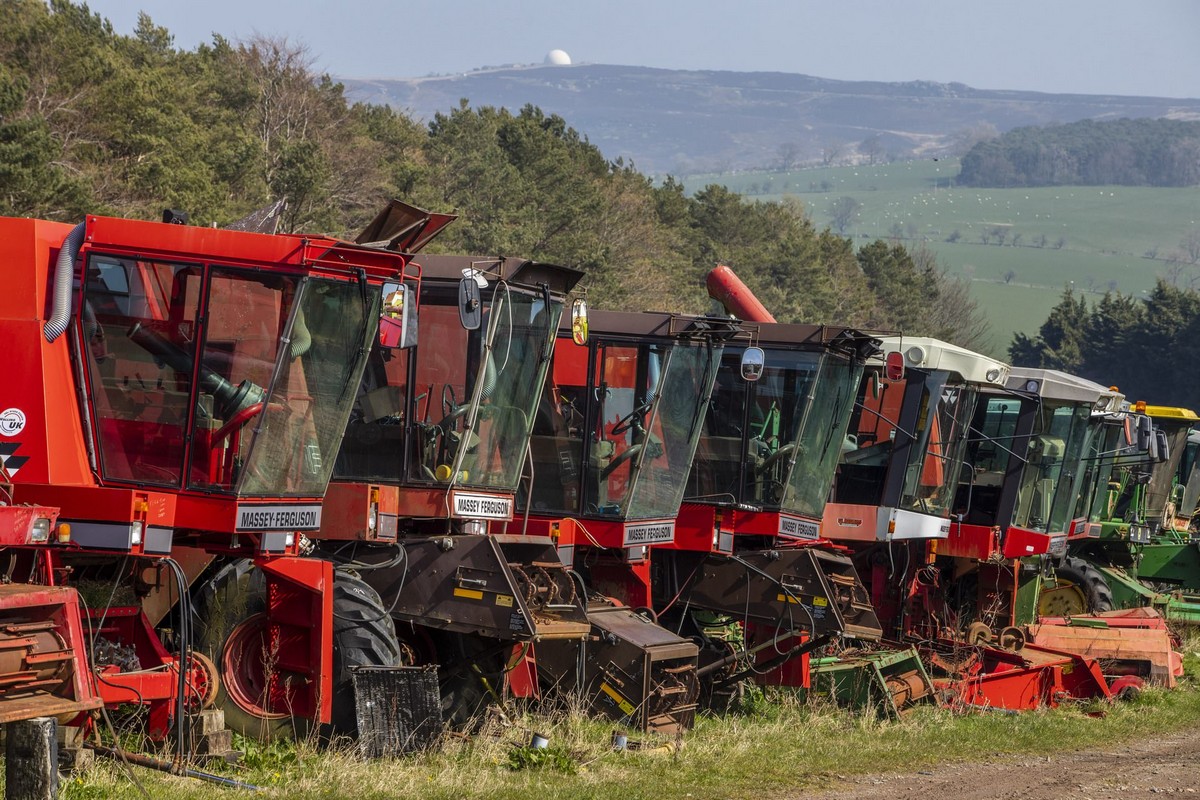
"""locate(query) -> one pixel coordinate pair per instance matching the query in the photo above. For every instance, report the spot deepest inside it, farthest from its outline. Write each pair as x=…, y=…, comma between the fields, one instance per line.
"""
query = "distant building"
x=557, y=58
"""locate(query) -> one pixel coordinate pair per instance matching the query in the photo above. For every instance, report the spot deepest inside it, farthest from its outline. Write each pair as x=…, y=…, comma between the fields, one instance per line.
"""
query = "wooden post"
x=31, y=759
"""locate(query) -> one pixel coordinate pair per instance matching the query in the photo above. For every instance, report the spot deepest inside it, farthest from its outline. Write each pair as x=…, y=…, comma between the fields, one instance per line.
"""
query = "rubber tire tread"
x=1084, y=575
x=364, y=634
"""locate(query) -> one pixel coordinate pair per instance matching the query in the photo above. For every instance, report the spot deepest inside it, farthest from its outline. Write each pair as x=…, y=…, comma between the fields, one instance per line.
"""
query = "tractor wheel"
x=230, y=630
x=364, y=635
x=1078, y=588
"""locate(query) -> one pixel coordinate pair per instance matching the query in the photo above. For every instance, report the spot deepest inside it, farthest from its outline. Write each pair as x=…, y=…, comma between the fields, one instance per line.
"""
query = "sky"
x=1124, y=47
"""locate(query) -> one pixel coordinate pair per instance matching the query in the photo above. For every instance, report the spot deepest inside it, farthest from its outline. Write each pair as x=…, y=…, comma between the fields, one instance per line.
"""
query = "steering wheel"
x=774, y=458
x=621, y=458
x=449, y=404
x=630, y=420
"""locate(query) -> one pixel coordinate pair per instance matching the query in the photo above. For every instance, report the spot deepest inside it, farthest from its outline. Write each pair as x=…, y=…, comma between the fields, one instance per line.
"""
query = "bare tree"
x=832, y=151
x=1190, y=246
x=789, y=156
x=872, y=148
x=956, y=316
x=842, y=212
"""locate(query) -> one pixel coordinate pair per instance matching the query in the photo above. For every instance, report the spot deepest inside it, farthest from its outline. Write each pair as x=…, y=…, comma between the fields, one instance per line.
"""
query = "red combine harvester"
x=611, y=449
x=423, y=492
x=184, y=401
x=899, y=474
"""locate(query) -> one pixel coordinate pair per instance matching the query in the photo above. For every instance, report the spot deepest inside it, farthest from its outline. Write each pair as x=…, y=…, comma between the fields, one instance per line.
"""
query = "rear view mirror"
x=1144, y=438
x=874, y=389
x=753, y=361
x=579, y=321
x=470, y=304
x=397, y=318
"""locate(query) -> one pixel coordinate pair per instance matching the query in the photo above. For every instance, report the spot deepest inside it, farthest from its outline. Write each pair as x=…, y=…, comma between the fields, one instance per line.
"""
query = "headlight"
x=135, y=533
x=40, y=533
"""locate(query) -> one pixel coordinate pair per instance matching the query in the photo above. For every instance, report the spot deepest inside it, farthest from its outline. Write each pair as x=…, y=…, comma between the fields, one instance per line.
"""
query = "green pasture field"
x=1095, y=238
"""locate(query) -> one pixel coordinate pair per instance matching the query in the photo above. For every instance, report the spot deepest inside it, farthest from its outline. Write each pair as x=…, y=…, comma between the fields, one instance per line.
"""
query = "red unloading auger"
x=728, y=290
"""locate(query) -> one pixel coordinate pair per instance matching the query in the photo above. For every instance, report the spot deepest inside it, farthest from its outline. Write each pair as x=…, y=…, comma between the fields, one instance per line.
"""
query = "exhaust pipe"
x=64, y=271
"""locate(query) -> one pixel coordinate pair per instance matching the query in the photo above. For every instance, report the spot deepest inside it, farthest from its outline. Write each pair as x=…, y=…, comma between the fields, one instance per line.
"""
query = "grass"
x=1113, y=237
x=783, y=747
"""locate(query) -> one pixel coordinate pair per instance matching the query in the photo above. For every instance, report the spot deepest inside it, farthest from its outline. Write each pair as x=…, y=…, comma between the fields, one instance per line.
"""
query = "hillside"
x=703, y=121
x=1018, y=248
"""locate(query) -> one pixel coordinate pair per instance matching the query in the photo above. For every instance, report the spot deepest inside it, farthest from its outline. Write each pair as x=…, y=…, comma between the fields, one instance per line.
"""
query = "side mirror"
x=874, y=387
x=579, y=321
x=893, y=366
x=470, y=304
x=1144, y=434
x=397, y=318
x=753, y=361
x=1163, y=447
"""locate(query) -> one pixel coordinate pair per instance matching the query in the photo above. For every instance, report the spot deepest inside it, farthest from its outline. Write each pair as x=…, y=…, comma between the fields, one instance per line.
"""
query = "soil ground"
x=1165, y=766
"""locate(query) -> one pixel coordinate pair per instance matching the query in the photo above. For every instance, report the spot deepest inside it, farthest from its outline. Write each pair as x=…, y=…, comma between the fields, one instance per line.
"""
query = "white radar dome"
x=558, y=58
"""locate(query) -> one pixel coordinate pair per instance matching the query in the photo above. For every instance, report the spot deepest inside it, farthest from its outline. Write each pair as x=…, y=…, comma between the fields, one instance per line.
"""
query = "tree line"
x=1126, y=152
x=92, y=121
x=1141, y=346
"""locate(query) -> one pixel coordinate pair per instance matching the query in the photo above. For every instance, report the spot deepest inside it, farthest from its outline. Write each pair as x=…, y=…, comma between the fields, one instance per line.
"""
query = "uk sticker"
x=12, y=421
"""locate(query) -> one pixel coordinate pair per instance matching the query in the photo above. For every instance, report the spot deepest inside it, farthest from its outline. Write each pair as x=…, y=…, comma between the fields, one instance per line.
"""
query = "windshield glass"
x=297, y=435
x=618, y=426
x=782, y=453
x=821, y=434
x=647, y=426
x=935, y=459
x=1164, y=474
x=1098, y=468
x=260, y=415
x=482, y=387
x=1054, y=458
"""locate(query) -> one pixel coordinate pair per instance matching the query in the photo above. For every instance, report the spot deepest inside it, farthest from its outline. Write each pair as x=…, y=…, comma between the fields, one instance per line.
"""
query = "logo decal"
x=11, y=462
x=649, y=533
x=12, y=421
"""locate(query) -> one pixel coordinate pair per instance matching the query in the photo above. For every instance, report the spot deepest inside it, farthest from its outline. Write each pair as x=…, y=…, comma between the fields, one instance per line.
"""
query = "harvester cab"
x=184, y=399
x=1167, y=494
x=1189, y=481
x=1135, y=548
x=1028, y=456
x=908, y=437
x=743, y=574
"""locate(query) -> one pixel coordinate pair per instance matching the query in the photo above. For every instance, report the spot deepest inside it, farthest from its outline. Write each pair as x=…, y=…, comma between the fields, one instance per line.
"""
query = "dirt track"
x=1146, y=769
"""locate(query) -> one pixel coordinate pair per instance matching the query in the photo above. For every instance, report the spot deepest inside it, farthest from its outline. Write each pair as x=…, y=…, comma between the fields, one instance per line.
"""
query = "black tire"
x=1089, y=580
x=363, y=634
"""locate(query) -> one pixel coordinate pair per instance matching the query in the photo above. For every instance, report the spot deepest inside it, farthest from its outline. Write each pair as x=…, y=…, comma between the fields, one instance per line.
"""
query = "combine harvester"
x=423, y=491
x=733, y=568
x=965, y=540
x=613, y=442
x=896, y=485
x=1136, y=548
x=182, y=402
